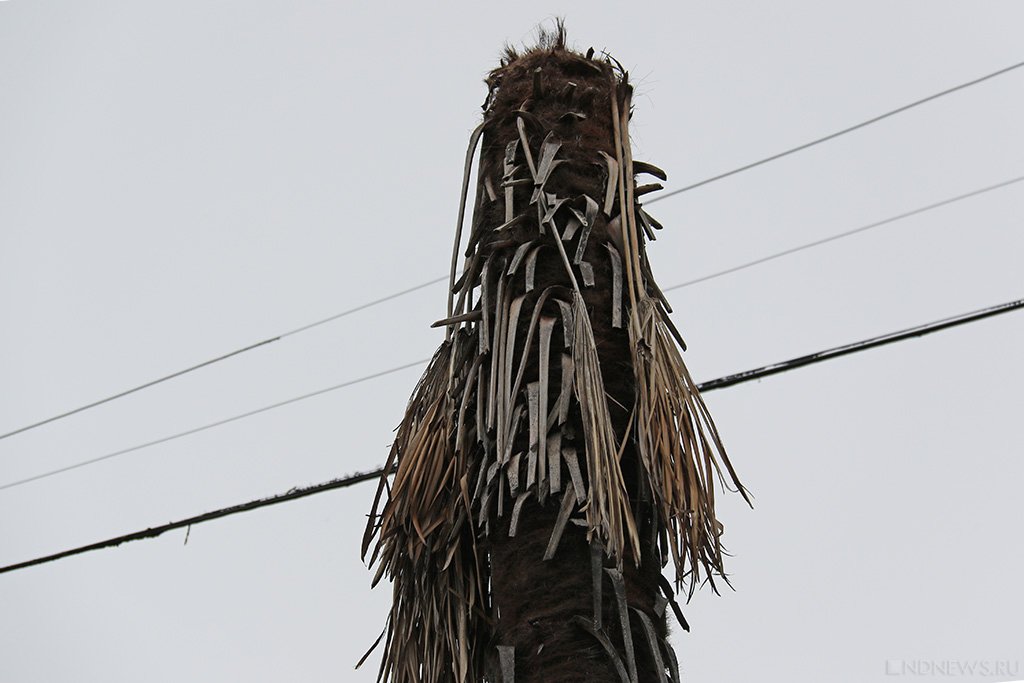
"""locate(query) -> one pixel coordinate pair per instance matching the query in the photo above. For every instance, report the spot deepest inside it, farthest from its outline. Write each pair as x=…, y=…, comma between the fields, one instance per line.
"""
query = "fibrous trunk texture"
x=556, y=453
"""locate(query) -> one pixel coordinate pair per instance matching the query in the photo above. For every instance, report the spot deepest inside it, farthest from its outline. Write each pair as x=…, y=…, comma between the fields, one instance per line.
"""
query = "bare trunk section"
x=564, y=99
x=556, y=453
x=539, y=604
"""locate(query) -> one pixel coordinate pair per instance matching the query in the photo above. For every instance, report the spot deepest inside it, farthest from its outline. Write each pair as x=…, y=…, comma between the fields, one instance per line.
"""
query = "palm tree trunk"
x=556, y=453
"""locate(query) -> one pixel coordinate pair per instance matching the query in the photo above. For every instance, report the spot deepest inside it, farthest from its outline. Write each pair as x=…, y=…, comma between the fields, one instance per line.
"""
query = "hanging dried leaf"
x=501, y=439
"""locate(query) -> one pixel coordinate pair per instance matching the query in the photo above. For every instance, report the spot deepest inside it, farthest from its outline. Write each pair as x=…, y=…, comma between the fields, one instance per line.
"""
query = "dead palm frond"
x=559, y=383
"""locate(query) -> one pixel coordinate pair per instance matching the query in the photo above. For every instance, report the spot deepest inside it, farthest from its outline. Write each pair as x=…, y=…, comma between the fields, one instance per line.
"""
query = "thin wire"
x=218, y=359
x=848, y=233
x=711, y=276
x=704, y=278
x=211, y=425
x=711, y=385
x=440, y=279
x=113, y=397
x=838, y=133
x=368, y=304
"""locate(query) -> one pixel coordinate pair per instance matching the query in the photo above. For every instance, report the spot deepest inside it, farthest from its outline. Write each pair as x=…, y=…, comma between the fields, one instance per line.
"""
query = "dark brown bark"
x=556, y=452
x=535, y=600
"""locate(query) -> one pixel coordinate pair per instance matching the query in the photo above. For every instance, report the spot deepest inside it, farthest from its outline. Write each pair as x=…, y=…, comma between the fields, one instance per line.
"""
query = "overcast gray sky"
x=181, y=179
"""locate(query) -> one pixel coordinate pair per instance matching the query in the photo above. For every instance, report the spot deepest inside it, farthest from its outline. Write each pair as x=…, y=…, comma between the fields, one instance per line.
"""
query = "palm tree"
x=556, y=454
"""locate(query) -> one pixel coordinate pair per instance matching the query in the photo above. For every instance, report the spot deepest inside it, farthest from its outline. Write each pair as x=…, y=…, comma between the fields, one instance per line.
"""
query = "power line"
x=140, y=387
x=848, y=233
x=711, y=385
x=704, y=278
x=414, y=288
x=218, y=359
x=153, y=532
x=838, y=133
x=368, y=304
x=863, y=345
x=719, y=273
x=211, y=425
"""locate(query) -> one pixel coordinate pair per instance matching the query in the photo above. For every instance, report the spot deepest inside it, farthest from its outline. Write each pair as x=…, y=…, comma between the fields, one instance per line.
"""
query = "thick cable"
x=711, y=385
